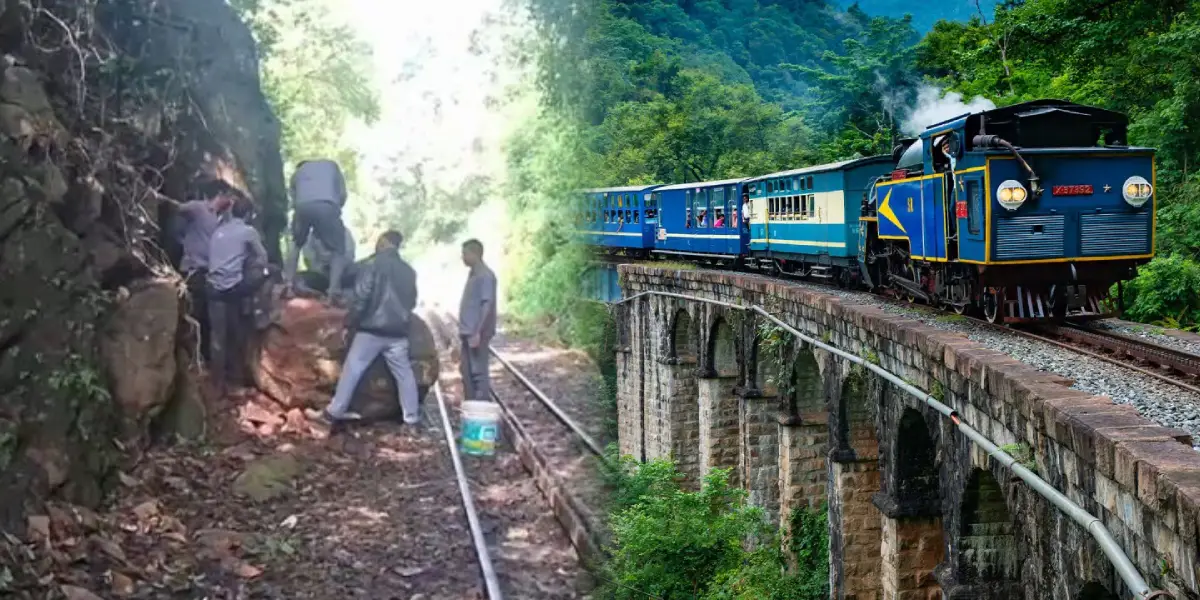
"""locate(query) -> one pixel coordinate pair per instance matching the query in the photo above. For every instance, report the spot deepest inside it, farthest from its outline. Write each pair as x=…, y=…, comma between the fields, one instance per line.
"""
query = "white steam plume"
x=935, y=105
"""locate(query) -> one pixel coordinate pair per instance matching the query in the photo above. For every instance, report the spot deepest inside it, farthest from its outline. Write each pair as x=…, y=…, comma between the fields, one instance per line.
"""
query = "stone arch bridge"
x=915, y=510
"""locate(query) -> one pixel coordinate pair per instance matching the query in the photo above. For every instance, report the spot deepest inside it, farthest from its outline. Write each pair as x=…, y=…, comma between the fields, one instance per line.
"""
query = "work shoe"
x=324, y=418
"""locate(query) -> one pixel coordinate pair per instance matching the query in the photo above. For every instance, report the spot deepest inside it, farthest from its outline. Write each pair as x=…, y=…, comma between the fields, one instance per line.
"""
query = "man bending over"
x=318, y=196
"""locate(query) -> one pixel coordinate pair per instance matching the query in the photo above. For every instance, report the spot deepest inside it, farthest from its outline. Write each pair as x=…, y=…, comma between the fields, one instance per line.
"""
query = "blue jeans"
x=364, y=349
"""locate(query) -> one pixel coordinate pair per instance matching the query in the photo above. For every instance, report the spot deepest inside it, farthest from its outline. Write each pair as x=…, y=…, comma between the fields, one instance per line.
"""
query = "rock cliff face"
x=108, y=112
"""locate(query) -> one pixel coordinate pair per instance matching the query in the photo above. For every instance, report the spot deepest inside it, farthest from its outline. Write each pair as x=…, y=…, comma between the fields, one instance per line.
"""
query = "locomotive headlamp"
x=1137, y=190
x=1011, y=194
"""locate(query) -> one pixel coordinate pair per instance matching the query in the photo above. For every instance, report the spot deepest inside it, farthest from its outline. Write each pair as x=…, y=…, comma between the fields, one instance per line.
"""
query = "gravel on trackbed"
x=1161, y=402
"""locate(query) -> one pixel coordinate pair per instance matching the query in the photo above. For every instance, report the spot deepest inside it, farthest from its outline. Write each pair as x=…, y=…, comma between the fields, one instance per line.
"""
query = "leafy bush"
x=1165, y=291
x=671, y=543
x=809, y=545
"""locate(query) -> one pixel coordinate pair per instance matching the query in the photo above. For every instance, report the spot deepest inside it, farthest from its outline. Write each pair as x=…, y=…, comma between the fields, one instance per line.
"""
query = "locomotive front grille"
x=1032, y=237
x=1113, y=234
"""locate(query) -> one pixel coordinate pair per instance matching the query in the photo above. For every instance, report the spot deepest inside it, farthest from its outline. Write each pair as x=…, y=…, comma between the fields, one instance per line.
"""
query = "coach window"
x=718, y=203
x=974, y=207
x=810, y=184
x=733, y=209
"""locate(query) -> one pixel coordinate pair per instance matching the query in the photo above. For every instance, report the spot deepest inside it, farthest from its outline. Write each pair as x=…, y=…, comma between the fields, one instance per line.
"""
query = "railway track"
x=542, y=450
x=1173, y=366
x=1169, y=365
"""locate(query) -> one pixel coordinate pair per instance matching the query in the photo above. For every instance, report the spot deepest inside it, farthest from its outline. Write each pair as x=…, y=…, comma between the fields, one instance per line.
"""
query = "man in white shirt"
x=745, y=209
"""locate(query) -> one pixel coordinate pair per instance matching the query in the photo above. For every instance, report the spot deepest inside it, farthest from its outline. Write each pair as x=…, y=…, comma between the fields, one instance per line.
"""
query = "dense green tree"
x=317, y=76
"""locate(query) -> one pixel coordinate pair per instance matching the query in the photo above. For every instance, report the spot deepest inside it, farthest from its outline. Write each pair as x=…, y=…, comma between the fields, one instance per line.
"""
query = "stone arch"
x=916, y=464
x=1094, y=591
x=987, y=545
x=855, y=418
x=683, y=338
x=722, y=349
x=804, y=391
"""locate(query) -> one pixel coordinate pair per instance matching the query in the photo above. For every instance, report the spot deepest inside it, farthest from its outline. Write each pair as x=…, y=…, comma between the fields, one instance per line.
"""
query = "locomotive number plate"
x=1071, y=190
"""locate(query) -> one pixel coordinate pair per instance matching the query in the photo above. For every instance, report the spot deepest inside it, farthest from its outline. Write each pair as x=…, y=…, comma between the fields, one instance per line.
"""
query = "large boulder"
x=138, y=349
x=301, y=355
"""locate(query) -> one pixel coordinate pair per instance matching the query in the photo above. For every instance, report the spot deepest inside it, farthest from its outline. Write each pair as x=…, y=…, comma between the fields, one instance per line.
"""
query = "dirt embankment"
x=109, y=113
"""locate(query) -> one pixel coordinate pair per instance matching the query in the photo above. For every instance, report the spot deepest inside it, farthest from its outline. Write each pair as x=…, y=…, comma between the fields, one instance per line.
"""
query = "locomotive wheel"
x=993, y=306
x=960, y=309
x=910, y=273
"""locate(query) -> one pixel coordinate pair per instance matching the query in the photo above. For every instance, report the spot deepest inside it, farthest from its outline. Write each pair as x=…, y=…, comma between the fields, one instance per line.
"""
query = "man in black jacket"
x=385, y=294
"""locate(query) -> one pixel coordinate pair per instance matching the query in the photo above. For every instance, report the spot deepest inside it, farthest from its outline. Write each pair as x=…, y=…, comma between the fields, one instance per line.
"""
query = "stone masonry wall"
x=1141, y=480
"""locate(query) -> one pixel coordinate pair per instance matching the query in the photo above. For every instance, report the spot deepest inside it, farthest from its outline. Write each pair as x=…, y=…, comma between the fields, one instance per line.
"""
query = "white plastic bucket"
x=480, y=427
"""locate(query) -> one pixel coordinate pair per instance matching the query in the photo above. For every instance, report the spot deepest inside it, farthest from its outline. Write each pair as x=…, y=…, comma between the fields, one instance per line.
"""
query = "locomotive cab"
x=1028, y=212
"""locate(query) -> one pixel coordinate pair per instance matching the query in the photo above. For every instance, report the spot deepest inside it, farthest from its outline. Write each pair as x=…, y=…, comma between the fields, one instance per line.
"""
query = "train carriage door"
x=969, y=215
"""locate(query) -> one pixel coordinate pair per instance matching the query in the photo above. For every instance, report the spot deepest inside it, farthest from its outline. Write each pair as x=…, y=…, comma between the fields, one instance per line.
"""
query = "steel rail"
x=558, y=413
x=549, y=404
x=1096, y=355
x=1093, y=525
x=490, y=581
x=1186, y=363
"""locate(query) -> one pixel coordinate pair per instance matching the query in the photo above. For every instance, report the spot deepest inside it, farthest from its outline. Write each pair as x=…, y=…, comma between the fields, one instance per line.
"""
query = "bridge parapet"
x=900, y=481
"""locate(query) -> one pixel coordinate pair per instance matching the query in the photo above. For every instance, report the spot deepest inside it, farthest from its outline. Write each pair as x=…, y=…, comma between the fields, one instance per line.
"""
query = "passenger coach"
x=805, y=221
x=620, y=220
x=701, y=220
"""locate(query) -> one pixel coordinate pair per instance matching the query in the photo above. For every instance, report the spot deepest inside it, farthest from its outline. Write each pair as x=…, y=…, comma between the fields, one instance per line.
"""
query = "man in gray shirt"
x=237, y=268
x=476, y=322
x=318, y=194
x=194, y=224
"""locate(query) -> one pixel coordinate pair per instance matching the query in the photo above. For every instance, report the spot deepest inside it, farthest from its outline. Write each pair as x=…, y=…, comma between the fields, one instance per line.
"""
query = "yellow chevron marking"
x=885, y=209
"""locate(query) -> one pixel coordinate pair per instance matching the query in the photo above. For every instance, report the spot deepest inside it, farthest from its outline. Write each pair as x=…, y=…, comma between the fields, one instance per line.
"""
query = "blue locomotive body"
x=1028, y=212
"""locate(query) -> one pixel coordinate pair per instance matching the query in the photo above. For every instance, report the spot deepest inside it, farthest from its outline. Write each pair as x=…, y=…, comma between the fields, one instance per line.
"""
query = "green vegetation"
x=316, y=74
x=1023, y=453
x=671, y=543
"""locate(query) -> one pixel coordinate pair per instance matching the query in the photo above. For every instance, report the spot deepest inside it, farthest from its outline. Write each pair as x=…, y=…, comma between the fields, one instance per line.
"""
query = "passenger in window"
x=687, y=221
x=746, y=208
x=702, y=217
x=720, y=221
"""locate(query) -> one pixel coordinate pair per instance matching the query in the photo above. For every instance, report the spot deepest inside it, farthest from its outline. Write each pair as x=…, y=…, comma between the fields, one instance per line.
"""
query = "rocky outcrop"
x=301, y=359
x=109, y=112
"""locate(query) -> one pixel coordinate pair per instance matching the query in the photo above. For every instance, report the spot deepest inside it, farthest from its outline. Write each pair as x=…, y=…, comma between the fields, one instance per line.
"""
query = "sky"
x=437, y=64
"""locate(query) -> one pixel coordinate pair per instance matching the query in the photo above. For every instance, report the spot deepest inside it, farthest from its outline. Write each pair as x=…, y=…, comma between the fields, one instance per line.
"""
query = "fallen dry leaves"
x=372, y=513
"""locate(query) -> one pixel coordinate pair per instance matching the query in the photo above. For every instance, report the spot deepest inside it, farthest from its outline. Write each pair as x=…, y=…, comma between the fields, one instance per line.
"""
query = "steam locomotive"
x=1024, y=213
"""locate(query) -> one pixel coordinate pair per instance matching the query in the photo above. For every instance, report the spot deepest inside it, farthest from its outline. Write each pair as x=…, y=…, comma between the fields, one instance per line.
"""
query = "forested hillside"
x=663, y=91
x=925, y=14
